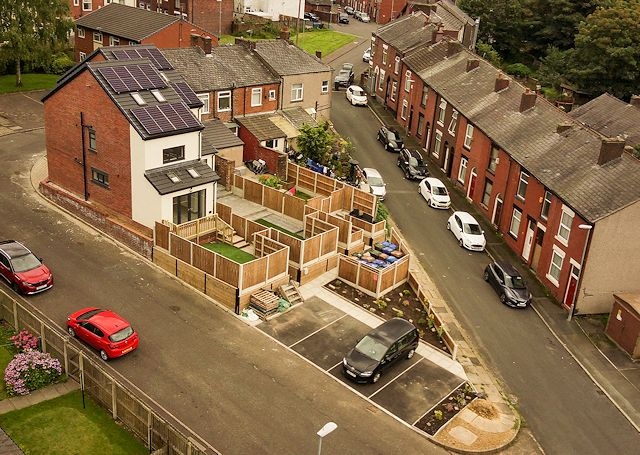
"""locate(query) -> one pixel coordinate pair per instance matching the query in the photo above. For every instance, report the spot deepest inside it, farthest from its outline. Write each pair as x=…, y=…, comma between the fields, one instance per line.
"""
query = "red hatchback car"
x=103, y=330
x=24, y=272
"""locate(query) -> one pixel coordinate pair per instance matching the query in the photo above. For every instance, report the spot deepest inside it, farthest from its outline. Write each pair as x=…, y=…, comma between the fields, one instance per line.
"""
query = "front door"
x=537, y=248
x=497, y=211
x=472, y=183
x=528, y=240
x=571, y=286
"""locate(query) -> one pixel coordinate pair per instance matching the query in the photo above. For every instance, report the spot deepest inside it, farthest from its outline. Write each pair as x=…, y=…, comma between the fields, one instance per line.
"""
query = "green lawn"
x=303, y=195
x=62, y=426
x=266, y=223
x=230, y=251
x=325, y=41
x=29, y=82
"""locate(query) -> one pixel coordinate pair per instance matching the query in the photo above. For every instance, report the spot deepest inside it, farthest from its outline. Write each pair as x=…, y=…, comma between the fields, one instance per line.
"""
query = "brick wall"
x=178, y=35
x=63, y=136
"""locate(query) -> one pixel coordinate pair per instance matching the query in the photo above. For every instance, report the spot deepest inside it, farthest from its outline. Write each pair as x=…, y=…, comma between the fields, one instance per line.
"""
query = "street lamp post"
x=588, y=228
x=325, y=430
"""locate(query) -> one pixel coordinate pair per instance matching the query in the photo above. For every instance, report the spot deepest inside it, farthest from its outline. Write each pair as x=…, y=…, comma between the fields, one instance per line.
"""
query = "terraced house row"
x=562, y=189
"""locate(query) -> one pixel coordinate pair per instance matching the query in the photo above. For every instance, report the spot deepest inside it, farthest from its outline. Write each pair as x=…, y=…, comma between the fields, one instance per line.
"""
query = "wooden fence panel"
x=253, y=228
x=162, y=235
x=224, y=212
x=293, y=243
x=204, y=259
x=294, y=206
x=227, y=270
x=278, y=263
x=180, y=248
x=329, y=242
x=239, y=225
x=272, y=198
x=164, y=260
x=238, y=181
x=221, y=292
x=191, y=275
x=254, y=272
x=348, y=269
x=253, y=191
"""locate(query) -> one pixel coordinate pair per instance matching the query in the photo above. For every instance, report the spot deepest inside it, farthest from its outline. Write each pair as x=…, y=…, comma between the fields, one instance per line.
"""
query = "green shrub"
x=61, y=64
x=518, y=70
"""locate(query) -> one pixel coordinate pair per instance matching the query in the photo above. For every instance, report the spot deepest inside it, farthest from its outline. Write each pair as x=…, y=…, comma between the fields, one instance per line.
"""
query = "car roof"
x=108, y=321
x=356, y=87
x=389, y=331
x=413, y=153
x=13, y=249
x=371, y=172
x=466, y=217
x=434, y=181
x=508, y=268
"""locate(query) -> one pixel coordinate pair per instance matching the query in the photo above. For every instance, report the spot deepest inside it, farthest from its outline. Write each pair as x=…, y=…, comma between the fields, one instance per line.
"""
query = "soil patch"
x=447, y=409
x=400, y=302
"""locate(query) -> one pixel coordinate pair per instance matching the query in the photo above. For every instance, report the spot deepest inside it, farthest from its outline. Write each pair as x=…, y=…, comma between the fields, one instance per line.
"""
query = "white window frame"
x=204, y=97
x=494, y=159
x=523, y=183
x=546, y=205
x=396, y=68
x=114, y=41
x=76, y=2
x=80, y=31
x=407, y=81
x=384, y=53
x=468, y=136
x=272, y=95
x=516, y=219
x=271, y=143
x=381, y=79
x=99, y=35
x=256, y=92
x=82, y=55
x=557, y=252
x=437, y=143
x=394, y=90
x=425, y=95
x=325, y=87
x=563, y=227
x=453, y=123
x=405, y=108
x=462, y=172
x=441, y=112
x=87, y=5
x=297, y=92
x=225, y=94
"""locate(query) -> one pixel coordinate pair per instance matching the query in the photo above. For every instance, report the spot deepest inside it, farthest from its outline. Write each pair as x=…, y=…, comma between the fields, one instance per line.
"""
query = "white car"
x=367, y=55
x=435, y=193
x=373, y=183
x=466, y=229
x=356, y=95
x=364, y=17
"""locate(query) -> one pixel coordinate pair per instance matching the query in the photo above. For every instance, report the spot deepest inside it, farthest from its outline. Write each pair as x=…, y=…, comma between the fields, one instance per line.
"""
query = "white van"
x=373, y=183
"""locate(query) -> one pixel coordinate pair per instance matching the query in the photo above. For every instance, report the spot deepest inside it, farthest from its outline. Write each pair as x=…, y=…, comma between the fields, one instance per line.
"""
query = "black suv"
x=390, y=138
x=379, y=349
x=508, y=283
x=312, y=17
x=412, y=164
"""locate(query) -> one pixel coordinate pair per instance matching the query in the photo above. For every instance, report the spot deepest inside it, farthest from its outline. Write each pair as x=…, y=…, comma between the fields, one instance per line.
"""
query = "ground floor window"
x=189, y=206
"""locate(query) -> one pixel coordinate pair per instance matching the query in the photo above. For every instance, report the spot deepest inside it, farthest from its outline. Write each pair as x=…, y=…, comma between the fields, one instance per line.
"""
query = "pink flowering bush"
x=24, y=341
x=30, y=370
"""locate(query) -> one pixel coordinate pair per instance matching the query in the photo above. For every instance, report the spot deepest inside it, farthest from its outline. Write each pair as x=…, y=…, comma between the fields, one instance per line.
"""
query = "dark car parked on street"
x=345, y=76
x=24, y=272
x=379, y=349
x=390, y=138
x=412, y=164
x=312, y=17
x=508, y=283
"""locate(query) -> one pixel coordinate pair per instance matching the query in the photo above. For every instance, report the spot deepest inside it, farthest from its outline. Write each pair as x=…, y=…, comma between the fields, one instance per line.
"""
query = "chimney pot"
x=528, y=100
x=610, y=149
x=635, y=100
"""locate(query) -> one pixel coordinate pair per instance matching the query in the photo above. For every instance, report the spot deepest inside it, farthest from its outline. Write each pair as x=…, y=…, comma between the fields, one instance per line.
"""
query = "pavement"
x=610, y=369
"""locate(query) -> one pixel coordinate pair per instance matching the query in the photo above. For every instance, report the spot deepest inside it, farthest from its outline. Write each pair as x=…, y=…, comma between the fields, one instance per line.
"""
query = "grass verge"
x=62, y=426
x=230, y=251
x=325, y=41
x=29, y=82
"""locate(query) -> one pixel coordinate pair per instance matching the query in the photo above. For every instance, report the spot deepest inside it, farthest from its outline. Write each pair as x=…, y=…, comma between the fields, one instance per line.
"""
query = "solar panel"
x=132, y=78
x=153, y=54
x=165, y=118
x=186, y=93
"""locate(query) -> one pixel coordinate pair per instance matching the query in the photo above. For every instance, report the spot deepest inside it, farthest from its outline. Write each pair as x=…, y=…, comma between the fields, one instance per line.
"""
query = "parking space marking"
x=319, y=330
x=397, y=376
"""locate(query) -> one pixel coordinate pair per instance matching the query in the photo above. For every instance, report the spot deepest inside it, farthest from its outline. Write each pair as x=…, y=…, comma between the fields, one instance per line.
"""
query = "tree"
x=315, y=142
x=31, y=29
x=553, y=66
x=607, y=50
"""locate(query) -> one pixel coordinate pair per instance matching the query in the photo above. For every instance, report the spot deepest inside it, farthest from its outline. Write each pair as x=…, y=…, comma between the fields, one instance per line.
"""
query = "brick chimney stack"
x=501, y=83
x=528, y=100
x=562, y=127
x=472, y=64
x=635, y=101
x=610, y=149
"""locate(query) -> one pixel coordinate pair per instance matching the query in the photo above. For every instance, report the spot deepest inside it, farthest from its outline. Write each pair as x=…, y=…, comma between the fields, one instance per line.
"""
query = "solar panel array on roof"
x=132, y=78
x=153, y=54
x=186, y=93
x=165, y=118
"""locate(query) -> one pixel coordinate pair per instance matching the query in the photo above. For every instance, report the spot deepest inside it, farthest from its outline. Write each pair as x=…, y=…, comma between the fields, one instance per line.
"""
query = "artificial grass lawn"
x=266, y=223
x=230, y=251
x=62, y=426
x=325, y=41
x=303, y=195
x=29, y=82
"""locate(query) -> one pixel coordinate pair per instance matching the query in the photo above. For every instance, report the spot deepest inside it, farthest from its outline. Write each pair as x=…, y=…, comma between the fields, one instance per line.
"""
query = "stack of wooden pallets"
x=264, y=303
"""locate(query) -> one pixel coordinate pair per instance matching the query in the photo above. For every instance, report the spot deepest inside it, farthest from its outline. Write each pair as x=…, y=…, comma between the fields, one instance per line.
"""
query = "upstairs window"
x=296, y=92
x=522, y=185
x=441, y=112
x=100, y=177
x=468, y=136
x=325, y=87
x=384, y=54
x=425, y=94
x=80, y=32
x=92, y=139
x=173, y=154
x=396, y=68
x=407, y=81
x=86, y=5
x=204, y=97
x=494, y=159
x=97, y=37
x=566, y=220
x=114, y=41
x=256, y=96
x=394, y=90
x=224, y=101
x=272, y=95
x=546, y=204
x=453, y=123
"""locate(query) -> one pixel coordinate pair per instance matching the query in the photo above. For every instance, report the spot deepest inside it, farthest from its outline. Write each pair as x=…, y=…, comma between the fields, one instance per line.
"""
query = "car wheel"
x=503, y=298
x=376, y=377
x=448, y=226
x=486, y=276
x=461, y=243
x=411, y=353
x=103, y=355
x=71, y=331
x=407, y=176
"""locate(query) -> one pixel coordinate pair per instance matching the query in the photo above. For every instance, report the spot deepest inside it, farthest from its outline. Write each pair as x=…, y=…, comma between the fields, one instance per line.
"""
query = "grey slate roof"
x=286, y=59
x=426, y=56
x=226, y=67
x=125, y=102
x=610, y=117
x=217, y=136
x=127, y=22
x=262, y=127
x=163, y=184
x=565, y=163
x=453, y=18
x=407, y=32
x=299, y=117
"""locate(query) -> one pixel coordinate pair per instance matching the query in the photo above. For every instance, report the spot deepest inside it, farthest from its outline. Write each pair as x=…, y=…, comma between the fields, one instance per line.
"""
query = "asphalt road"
x=241, y=391
x=565, y=411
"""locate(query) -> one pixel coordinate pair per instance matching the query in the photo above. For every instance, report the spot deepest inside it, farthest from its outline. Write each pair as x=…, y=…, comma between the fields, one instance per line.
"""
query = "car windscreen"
x=514, y=282
x=25, y=262
x=372, y=348
x=121, y=334
x=413, y=162
x=440, y=190
x=375, y=181
x=358, y=92
x=472, y=228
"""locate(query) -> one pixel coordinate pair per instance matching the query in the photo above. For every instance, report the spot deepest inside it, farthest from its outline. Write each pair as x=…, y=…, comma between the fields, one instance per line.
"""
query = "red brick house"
x=79, y=8
x=118, y=25
x=565, y=198
x=122, y=131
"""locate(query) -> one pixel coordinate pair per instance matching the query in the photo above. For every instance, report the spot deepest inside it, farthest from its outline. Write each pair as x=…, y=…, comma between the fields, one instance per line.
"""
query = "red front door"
x=571, y=291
